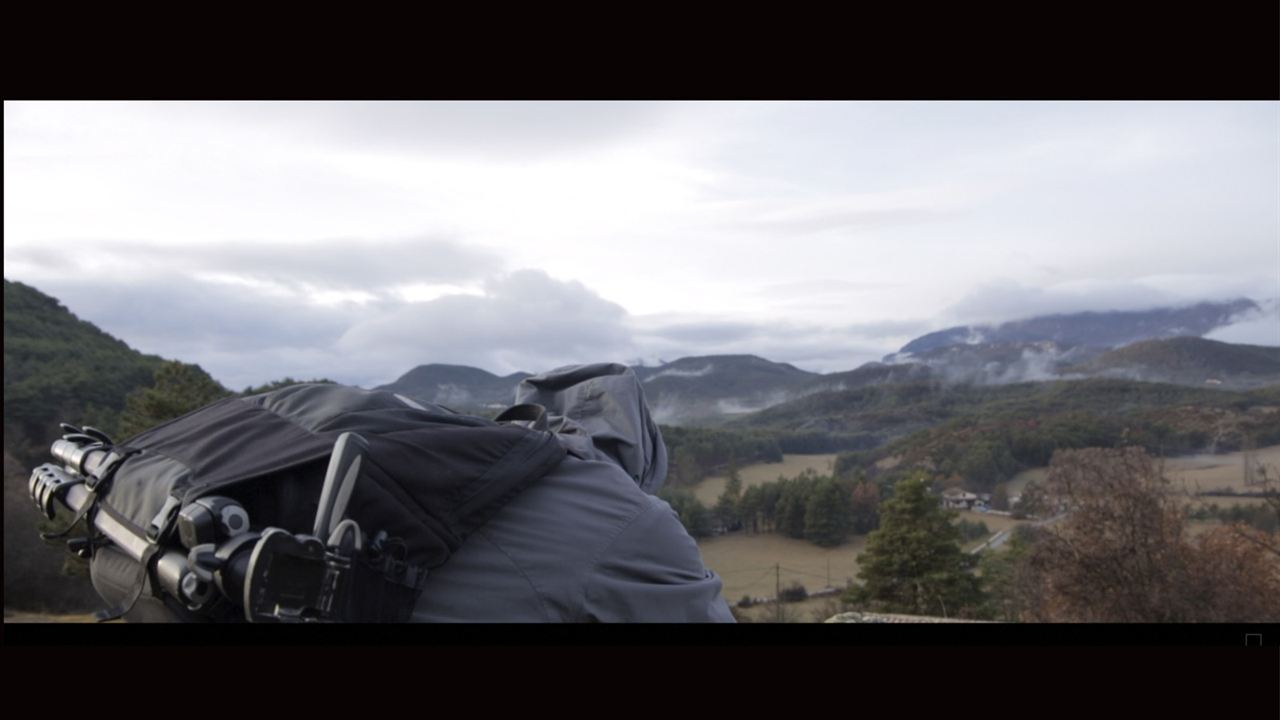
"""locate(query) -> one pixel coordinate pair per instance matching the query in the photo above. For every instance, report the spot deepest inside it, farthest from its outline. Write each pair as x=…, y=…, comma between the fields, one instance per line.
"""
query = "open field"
x=1202, y=473
x=11, y=616
x=813, y=610
x=1194, y=473
x=746, y=562
x=1222, y=501
x=709, y=490
x=995, y=522
x=1019, y=481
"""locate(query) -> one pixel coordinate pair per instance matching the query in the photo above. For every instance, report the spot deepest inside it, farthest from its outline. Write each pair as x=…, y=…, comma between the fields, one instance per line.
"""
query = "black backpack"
x=313, y=502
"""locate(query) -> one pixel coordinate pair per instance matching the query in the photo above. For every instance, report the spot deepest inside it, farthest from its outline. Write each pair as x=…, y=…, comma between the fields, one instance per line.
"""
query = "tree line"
x=821, y=509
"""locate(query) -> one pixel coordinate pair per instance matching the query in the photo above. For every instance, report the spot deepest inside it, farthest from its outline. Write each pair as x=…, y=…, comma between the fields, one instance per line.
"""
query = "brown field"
x=709, y=490
x=1202, y=473
x=1222, y=501
x=11, y=616
x=1019, y=481
x=746, y=562
x=813, y=610
x=995, y=522
x=1195, y=473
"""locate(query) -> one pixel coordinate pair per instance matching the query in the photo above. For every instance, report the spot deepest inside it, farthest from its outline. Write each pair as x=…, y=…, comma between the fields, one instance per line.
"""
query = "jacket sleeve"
x=653, y=572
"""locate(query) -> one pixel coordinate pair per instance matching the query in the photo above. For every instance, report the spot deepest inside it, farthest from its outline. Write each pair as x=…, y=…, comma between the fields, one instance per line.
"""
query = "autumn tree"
x=864, y=507
x=1122, y=551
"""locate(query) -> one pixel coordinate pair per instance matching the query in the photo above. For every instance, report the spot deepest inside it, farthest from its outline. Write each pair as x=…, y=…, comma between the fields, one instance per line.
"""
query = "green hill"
x=986, y=433
x=1189, y=361
x=60, y=368
x=56, y=368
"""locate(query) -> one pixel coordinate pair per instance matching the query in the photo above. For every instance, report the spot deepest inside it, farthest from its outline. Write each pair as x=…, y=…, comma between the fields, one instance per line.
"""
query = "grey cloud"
x=1002, y=300
x=822, y=221
x=524, y=321
x=707, y=332
x=888, y=329
x=490, y=130
x=821, y=287
x=337, y=264
x=815, y=348
x=1254, y=327
x=239, y=337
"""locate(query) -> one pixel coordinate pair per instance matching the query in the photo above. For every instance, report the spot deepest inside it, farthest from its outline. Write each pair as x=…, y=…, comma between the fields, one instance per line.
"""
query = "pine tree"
x=914, y=563
x=827, y=514
x=791, y=508
x=179, y=388
x=726, y=509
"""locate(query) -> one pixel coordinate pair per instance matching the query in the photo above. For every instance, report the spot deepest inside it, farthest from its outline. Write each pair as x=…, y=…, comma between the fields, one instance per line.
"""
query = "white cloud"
x=1255, y=327
x=816, y=233
x=523, y=320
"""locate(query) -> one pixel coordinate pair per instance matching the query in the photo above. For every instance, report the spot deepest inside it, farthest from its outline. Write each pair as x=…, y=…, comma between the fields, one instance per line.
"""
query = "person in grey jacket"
x=589, y=542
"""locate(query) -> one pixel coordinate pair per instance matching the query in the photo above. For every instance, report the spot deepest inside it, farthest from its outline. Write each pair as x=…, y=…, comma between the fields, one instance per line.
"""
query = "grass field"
x=1203, y=473
x=813, y=610
x=1019, y=482
x=709, y=490
x=746, y=562
x=11, y=616
x=1192, y=474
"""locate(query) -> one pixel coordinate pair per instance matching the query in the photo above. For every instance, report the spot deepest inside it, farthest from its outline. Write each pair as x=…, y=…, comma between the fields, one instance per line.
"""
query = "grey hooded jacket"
x=589, y=541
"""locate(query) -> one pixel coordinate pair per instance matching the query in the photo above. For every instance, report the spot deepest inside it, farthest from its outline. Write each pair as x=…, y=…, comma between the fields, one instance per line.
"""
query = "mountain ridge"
x=1105, y=329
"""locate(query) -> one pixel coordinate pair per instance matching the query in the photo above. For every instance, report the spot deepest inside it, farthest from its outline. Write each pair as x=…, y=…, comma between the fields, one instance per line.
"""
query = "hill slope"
x=1091, y=329
x=1188, y=361
x=457, y=386
x=56, y=367
x=705, y=386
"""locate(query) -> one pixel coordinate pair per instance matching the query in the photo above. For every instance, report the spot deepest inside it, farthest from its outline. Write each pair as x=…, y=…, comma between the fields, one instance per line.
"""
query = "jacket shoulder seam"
x=587, y=585
x=537, y=592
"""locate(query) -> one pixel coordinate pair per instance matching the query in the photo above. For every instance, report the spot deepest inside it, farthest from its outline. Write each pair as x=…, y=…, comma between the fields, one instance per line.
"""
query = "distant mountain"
x=688, y=389
x=869, y=374
x=710, y=389
x=886, y=413
x=1002, y=363
x=706, y=386
x=1088, y=329
x=459, y=387
x=1187, y=361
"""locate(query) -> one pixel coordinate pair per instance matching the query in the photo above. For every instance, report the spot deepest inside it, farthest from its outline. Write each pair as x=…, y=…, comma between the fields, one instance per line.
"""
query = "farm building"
x=957, y=499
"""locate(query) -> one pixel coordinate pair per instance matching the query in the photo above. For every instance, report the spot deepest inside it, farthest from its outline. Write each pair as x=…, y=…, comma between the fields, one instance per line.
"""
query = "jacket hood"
x=602, y=403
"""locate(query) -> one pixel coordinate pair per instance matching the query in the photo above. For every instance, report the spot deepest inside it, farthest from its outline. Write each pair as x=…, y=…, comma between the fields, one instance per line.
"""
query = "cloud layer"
x=356, y=240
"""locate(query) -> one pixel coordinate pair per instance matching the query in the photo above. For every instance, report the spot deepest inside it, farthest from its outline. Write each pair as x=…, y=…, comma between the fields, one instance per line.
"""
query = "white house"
x=957, y=499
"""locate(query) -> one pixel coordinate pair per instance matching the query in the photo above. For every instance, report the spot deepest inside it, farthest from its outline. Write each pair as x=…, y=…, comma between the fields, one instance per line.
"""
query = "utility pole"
x=777, y=589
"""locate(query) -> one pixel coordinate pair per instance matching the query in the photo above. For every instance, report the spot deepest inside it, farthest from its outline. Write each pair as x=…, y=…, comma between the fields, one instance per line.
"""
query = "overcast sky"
x=357, y=240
